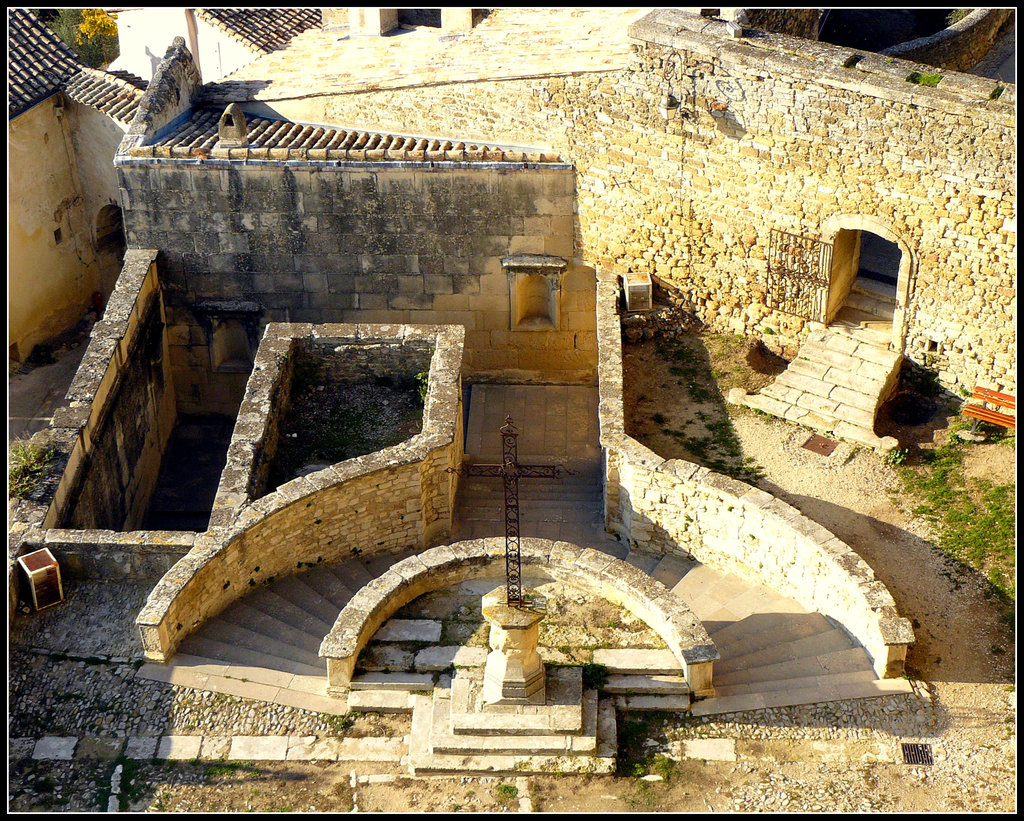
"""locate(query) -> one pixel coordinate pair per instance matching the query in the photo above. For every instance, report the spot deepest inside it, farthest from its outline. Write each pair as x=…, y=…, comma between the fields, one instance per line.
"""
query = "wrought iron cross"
x=511, y=472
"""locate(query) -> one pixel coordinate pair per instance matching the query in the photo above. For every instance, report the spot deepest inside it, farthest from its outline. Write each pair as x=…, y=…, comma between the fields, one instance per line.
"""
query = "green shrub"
x=27, y=465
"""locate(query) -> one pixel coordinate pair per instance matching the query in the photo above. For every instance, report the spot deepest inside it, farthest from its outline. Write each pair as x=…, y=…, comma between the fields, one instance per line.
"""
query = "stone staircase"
x=838, y=381
x=773, y=653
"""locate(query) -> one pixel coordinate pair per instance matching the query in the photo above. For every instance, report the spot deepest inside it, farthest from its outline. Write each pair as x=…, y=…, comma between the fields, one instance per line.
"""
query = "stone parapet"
x=673, y=506
x=960, y=46
x=382, y=502
x=446, y=565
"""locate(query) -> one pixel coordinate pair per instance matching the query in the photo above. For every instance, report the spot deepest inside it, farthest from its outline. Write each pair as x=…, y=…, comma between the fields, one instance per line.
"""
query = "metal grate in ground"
x=918, y=754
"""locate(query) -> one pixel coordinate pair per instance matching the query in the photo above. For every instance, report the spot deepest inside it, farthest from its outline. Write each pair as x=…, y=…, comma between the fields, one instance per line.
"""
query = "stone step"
x=642, y=685
x=350, y=573
x=295, y=590
x=380, y=701
x=423, y=762
x=408, y=682
x=764, y=631
x=562, y=714
x=873, y=306
x=328, y=586
x=639, y=662
x=671, y=569
x=643, y=561
x=644, y=703
x=880, y=290
x=242, y=614
x=832, y=679
x=830, y=642
x=378, y=564
x=850, y=660
x=443, y=740
x=272, y=603
x=492, y=510
x=230, y=633
x=214, y=649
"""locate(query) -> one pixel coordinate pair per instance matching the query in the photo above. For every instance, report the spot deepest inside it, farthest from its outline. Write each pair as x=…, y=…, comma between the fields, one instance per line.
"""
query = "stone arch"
x=613, y=579
x=831, y=230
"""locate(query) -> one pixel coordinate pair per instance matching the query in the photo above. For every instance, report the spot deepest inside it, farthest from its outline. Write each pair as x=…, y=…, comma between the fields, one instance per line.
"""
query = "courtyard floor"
x=81, y=719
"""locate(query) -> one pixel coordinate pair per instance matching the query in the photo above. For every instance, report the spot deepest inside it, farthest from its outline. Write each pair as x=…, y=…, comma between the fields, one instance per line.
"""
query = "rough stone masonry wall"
x=675, y=506
x=385, y=501
x=770, y=133
x=121, y=408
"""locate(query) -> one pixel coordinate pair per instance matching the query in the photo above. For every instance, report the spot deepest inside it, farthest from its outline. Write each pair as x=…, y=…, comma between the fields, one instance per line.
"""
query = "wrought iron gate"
x=799, y=271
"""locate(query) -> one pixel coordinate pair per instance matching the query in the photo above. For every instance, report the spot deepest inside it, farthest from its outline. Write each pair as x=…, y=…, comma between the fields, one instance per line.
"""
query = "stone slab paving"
x=60, y=748
x=409, y=630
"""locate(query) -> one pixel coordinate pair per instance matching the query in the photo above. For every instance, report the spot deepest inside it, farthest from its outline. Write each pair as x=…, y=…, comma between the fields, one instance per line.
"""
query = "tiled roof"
x=116, y=97
x=287, y=140
x=262, y=29
x=38, y=61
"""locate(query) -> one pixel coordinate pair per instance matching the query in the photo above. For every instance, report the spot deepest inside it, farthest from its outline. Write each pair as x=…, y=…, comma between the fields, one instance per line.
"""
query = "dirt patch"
x=327, y=424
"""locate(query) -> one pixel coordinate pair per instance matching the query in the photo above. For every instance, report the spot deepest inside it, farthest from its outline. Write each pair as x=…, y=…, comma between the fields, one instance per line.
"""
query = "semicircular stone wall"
x=675, y=506
x=386, y=501
x=446, y=565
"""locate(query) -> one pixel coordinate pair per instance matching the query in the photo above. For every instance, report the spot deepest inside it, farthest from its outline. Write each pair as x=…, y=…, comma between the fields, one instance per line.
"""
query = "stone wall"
x=674, y=506
x=440, y=567
x=959, y=47
x=359, y=242
x=120, y=409
x=387, y=501
x=765, y=133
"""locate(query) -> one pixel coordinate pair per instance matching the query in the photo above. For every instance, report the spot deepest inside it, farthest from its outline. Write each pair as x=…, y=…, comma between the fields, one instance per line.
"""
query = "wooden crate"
x=43, y=575
x=638, y=291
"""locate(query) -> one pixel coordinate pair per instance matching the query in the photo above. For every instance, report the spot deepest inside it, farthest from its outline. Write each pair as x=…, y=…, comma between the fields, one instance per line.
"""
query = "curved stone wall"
x=958, y=47
x=386, y=501
x=443, y=566
x=674, y=506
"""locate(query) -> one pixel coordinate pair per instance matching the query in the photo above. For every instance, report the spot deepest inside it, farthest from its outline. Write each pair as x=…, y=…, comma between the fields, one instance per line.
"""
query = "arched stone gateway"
x=443, y=566
x=861, y=245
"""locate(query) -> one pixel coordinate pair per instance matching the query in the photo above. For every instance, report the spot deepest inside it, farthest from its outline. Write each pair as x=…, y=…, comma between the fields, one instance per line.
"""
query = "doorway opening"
x=865, y=274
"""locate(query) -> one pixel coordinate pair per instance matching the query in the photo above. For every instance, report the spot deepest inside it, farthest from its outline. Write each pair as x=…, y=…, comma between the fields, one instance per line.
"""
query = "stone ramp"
x=836, y=384
x=774, y=653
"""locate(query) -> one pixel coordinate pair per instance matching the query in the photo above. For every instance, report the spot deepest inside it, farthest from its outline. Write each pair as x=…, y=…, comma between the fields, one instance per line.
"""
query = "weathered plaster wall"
x=371, y=242
x=96, y=137
x=770, y=133
x=50, y=283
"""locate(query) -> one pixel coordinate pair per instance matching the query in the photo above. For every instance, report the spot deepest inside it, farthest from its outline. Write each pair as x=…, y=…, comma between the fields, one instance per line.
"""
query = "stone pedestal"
x=514, y=673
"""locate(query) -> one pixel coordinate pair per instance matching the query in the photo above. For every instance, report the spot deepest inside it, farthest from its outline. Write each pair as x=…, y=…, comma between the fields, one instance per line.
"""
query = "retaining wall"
x=960, y=46
x=674, y=506
x=387, y=501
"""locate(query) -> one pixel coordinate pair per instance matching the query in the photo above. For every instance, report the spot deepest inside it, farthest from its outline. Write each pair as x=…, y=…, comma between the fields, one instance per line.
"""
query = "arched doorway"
x=110, y=246
x=870, y=276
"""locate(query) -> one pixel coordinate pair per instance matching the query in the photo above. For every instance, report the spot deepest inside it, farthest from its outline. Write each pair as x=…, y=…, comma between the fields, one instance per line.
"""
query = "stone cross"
x=511, y=472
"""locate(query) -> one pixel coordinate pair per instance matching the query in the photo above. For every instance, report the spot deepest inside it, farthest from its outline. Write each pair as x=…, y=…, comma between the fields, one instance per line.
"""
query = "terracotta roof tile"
x=262, y=30
x=284, y=139
x=116, y=97
x=38, y=61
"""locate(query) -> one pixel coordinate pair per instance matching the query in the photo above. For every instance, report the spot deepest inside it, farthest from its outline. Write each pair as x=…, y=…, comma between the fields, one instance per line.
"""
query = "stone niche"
x=535, y=291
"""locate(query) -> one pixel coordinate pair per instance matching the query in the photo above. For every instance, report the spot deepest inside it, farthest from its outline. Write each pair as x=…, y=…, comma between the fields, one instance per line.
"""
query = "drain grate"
x=918, y=754
x=819, y=444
